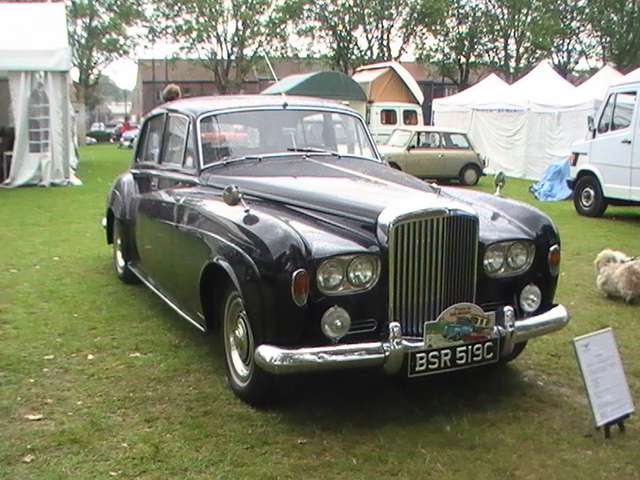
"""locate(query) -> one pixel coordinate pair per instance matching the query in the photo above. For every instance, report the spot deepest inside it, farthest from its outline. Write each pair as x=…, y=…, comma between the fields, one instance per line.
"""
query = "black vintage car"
x=274, y=219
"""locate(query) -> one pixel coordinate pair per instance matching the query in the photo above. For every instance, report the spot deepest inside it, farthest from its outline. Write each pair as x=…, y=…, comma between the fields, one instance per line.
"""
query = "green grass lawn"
x=122, y=387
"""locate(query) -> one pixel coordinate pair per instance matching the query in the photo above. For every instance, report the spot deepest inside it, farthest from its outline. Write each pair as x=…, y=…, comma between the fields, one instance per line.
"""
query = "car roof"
x=430, y=128
x=206, y=104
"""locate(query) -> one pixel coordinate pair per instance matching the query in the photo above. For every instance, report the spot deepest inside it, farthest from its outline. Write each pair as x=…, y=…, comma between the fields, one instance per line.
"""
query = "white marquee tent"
x=523, y=127
x=35, y=59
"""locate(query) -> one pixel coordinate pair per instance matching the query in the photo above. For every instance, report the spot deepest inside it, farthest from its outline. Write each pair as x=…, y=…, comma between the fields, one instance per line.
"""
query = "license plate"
x=436, y=360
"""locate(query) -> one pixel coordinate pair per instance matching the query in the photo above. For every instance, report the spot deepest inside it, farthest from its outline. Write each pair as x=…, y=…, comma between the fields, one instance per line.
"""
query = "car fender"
x=123, y=188
x=592, y=170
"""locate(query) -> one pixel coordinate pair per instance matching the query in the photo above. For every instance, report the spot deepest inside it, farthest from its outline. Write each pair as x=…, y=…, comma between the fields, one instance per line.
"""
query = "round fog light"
x=530, y=298
x=335, y=323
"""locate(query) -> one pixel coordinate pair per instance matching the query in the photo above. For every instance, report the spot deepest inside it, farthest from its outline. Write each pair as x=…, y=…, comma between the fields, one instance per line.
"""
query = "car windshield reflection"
x=399, y=138
x=260, y=133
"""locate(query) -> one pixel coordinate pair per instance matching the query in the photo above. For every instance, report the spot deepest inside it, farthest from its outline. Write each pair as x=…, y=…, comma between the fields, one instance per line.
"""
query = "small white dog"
x=618, y=274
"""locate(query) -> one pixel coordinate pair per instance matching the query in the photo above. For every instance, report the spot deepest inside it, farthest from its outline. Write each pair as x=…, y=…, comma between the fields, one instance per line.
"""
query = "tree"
x=453, y=37
x=570, y=35
x=518, y=34
x=615, y=23
x=98, y=34
x=350, y=33
x=226, y=35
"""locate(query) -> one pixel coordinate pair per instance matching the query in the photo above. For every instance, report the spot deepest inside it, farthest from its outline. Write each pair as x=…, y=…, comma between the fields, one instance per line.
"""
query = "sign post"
x=604, y=379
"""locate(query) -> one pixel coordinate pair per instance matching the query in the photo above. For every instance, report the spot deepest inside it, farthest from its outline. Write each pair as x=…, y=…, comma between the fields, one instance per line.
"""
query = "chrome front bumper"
x=389, y=354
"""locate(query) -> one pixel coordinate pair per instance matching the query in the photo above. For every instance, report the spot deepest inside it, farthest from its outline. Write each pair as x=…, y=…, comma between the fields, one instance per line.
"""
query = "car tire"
x=469, y=175
x=515, y=353
x=122, y=254
x=248, y=381
x=587, y=197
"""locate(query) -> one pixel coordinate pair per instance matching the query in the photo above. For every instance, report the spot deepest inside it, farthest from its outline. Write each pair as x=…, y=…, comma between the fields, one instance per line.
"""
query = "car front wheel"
x=245, y=378
x=469, y=175
x=587, y=197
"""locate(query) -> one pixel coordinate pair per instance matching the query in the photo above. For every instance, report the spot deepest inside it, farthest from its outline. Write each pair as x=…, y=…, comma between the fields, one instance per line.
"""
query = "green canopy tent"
x=325, y=84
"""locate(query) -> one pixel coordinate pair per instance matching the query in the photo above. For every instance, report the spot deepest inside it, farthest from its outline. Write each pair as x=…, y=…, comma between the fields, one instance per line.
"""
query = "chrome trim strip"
x=390, y=354
x=166, y=299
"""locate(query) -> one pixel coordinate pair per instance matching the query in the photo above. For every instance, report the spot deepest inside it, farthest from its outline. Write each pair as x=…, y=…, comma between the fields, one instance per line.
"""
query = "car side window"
x=151, y=140
x=190, y=153
x=623, y=111
x=617, y=112
x=429, y=140
x=176, y=137
x=456, y=141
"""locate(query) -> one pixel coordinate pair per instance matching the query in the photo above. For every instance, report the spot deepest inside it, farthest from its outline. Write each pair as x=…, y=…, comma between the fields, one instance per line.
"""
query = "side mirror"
x=591, y=126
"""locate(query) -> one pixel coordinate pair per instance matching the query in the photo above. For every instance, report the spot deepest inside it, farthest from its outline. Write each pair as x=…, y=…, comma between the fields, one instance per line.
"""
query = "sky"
x=123, y=72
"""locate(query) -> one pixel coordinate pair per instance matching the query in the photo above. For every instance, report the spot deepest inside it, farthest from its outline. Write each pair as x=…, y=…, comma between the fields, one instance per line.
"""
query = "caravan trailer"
x=384, y=117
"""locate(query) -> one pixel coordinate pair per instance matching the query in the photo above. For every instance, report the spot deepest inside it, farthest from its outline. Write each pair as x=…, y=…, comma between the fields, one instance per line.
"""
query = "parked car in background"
x=128, y=138
x=274, y=221
x=433, y=153
x=97, y=127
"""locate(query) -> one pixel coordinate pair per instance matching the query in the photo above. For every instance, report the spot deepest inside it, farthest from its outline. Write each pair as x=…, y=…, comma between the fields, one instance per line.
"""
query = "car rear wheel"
x=122, y=254
x=245, y=378
x=469, y=175
x=587, y=197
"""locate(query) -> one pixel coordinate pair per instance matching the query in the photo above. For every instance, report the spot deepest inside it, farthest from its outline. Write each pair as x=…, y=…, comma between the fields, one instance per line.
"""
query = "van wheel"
x=587, y=197
x=469, y=175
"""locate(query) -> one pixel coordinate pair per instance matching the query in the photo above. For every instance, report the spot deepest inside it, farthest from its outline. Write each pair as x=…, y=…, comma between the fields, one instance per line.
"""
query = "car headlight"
x=508, y=258
x=348, y=274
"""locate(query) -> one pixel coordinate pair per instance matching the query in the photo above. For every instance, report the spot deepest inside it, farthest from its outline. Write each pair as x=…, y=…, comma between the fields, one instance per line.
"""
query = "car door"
x=612, y=147
x=425, y=156
x=456, y=153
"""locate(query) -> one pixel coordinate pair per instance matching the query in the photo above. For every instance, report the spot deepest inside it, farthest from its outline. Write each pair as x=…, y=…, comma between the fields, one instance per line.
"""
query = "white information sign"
x=603, y=376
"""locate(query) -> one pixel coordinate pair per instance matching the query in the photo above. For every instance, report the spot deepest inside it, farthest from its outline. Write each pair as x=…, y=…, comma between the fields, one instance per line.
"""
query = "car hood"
x=356, y=188
x=361, y=190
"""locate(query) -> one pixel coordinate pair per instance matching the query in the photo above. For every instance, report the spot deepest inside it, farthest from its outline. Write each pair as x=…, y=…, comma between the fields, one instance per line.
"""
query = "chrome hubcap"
x=117, y=253
x=586, y=196
x=238, y=340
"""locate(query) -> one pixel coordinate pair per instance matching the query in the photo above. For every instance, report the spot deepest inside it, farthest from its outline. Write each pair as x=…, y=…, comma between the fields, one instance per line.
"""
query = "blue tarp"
x=552, y=186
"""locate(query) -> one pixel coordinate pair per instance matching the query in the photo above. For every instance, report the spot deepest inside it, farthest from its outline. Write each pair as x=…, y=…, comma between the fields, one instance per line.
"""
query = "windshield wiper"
x=313, y=150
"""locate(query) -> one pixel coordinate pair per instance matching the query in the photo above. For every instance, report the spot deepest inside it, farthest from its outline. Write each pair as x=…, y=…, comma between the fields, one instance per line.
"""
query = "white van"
x=605, y=168
x=384, y=117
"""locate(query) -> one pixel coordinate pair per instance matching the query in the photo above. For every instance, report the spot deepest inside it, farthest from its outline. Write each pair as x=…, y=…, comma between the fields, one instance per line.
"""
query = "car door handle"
x=627, y=141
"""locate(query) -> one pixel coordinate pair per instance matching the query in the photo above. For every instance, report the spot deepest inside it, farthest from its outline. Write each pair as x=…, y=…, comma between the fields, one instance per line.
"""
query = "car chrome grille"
x=432, y=265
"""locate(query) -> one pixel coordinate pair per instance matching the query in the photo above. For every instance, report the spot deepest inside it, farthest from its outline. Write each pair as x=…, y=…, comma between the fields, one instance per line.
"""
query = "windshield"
x=266, y=132
x=399, y=138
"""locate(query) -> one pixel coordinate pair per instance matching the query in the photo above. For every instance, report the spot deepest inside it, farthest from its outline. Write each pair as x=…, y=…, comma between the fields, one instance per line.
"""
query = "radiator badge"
x=460, y=323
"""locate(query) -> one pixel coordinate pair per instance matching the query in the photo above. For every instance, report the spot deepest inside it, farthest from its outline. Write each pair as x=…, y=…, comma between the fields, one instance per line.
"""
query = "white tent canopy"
x=595, y=88
x=35, y=59
x=523, y=127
